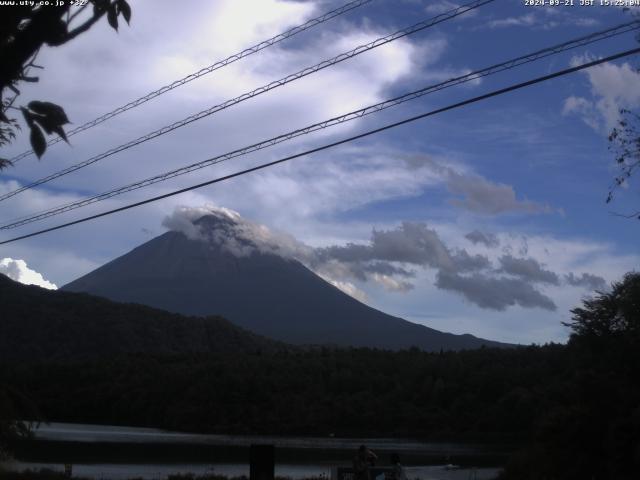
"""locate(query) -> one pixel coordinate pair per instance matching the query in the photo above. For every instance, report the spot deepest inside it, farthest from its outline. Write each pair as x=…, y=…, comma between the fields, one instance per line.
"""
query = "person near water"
x=362, y=461
x=398, y=469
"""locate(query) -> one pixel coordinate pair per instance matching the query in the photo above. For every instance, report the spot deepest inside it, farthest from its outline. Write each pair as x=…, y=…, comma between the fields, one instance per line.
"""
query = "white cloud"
x=612, y=87
x=586, y=22
x=584, y=108
x=443, y=6
x=19, y=271
x=352, y=84
x=320, y=198
x=526, y=20
x=391, y=284
x=347, y=287
x=543, y=19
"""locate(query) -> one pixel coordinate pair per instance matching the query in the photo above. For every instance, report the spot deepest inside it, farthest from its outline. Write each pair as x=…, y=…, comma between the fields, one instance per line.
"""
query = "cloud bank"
x=19, y=271
x=391, y=259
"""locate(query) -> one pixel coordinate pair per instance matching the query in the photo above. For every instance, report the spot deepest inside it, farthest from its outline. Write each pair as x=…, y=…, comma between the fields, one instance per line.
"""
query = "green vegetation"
x=24, y=29
x=475, y=394
x=574, y=408
x=41, y=325
x=592, y=429
x=13, y=407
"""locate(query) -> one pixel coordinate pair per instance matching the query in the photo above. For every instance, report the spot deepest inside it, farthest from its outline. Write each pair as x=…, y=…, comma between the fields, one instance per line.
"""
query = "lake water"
x=299, y=456
x=70, y=432
x=159, y=471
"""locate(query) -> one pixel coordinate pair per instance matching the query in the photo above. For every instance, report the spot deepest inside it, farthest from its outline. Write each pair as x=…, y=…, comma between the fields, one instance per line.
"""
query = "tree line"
x=574, y=409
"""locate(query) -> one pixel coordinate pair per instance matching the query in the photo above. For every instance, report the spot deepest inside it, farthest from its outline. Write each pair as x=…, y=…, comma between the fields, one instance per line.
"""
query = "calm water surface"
x=293, y=471
x=114, y=434
x=323, y=453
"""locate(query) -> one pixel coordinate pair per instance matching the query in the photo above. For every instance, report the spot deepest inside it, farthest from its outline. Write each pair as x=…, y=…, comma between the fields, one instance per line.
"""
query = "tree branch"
x=77, y=12
x=85, y=26
x=632, y=215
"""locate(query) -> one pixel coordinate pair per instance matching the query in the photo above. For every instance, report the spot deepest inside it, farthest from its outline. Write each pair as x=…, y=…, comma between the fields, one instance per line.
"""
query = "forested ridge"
x=41, y=325
x=346, y=392
x=574, y=408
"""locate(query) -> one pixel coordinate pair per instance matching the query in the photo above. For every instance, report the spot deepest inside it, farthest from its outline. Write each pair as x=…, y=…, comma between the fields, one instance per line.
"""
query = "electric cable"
x=334, y=144
x=205, y=71
x=265, y=88
x=507, y=65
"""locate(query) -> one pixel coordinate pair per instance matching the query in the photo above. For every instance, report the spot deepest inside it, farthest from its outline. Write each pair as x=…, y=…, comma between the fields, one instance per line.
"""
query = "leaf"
x=38, y=143
x=55, y=32
x=50, y=126
x=50, y=110
x=99, y=6
x=125, y=9
x=46, y=123
x=112, y=16
x=5, y=163
x=4, y=118
x=60, y=131
x=28, y=116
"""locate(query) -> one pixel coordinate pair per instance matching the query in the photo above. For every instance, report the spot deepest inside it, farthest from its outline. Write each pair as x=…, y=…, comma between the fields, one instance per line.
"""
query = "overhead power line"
x=494, y=93
x=206, y=70
x=266, y=88
x=507, y=65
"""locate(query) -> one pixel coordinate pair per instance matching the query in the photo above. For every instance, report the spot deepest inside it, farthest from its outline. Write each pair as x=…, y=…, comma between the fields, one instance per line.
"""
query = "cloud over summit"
x=391, y=258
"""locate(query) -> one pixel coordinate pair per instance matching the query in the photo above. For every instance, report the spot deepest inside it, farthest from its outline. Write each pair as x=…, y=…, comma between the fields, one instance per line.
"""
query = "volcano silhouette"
x=263, y=292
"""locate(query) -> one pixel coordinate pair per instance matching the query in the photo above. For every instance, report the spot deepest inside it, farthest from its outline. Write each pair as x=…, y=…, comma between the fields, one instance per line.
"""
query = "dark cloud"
x=411, y=243
x=475, y=193
x=494, y=293
x=592, y=282
x=488, y=239
x=386, y=268
x=386, y=259
x=468, y=263
x=479, y=195
x=527, y=269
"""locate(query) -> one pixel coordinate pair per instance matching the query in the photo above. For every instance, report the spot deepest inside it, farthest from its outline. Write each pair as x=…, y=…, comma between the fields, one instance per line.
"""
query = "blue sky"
x=526, y=174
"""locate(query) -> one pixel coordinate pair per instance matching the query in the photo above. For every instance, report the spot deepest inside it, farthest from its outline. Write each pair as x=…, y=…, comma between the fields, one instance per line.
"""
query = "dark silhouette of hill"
x=44, y=325
x=270, y=295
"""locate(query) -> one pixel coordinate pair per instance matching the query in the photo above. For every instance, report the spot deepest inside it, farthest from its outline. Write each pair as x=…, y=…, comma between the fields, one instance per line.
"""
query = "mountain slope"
x=44, y=325
x=262, y=292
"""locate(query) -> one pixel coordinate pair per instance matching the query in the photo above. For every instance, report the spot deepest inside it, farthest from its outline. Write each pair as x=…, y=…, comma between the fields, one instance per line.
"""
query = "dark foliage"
x=610, y=315
x=14, y=406
x=624, y=142
x=593, y=428
x=48, y=326
x=24, y=29
x=576, y=406
x=72, y=327
x=483, y=394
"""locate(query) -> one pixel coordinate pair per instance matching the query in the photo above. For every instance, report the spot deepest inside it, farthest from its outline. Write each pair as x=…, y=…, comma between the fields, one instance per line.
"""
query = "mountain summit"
x=217, y=265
